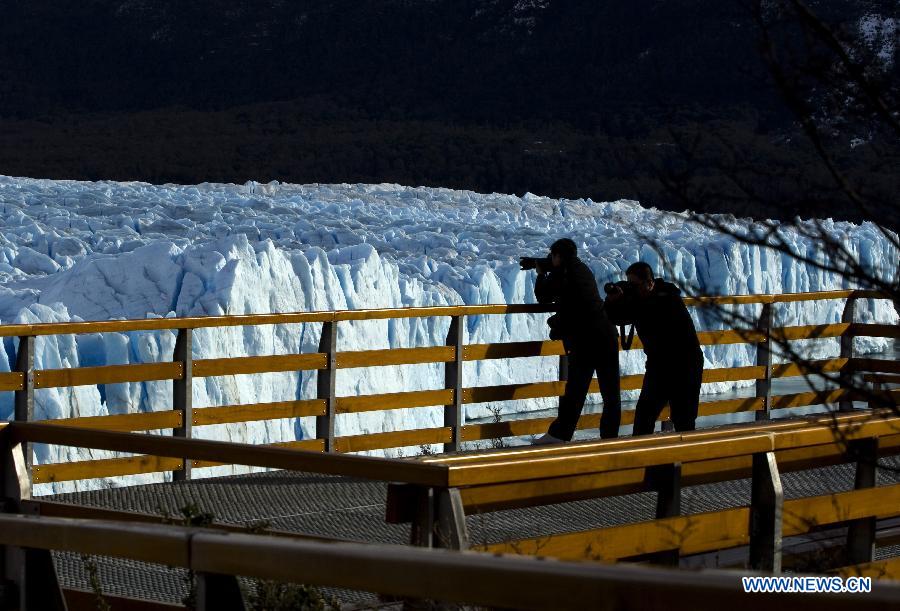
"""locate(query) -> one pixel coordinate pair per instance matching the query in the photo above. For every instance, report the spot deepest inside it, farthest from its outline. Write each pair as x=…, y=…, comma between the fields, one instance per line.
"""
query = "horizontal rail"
x=787, y=370
x=729, y=336
x=466, y=577
x=802, y=515
x=555, y=489
x=874, y=330
x=850, y=420
x=394, y=356
x=535, y=390
x=140, y=421
x=12, y=381
x=887, y=569
x=876, y=365
x=509, y=350
x=704, y=532
x=823, y=428
x=106, y=467
x=250, y=412
x=107, y=374
x=394, y=400
x=537, y=467
x=882, y=378
x=392, y=439
x=200, y=322
x=203, y=368
x=810, y=331
x=693, y=534
x=365, y=467
x=138, y=465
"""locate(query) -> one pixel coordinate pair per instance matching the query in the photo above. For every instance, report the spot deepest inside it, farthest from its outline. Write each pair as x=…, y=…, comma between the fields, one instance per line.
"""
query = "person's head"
x=562, y=252
x=640, y=274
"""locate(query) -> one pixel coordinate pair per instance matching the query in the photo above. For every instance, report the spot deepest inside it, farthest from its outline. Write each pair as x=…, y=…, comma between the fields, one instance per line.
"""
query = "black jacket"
x=580, y=315
x=661, y=321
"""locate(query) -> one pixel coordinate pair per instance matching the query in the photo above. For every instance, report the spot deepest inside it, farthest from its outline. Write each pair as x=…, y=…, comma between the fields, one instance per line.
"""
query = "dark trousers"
x=600, y=355
x=675, y=380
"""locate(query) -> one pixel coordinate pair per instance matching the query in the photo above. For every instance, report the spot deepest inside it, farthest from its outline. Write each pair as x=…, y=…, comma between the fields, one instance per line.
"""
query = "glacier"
x=73, y=251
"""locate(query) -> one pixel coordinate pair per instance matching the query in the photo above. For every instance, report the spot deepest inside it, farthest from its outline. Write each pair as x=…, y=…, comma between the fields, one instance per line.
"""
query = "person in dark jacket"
x=588, y=337
x=674, y=369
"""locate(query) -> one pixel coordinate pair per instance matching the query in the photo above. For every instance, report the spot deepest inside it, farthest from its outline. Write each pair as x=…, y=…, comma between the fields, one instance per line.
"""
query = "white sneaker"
x=546, y=439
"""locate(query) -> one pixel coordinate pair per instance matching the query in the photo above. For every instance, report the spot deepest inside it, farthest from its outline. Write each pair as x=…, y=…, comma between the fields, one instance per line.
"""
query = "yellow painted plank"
x=258, y=364
x=142, y=421
x=258, y=411
x=514, y=468
x=730, y=336
x=199, y=322
x=802, y=515
x=14, y=380
x=395, y=356
x=872, y=330
x=692, y=534
x=787, y=370
x=509, y=350
x=730, y=374
x=107, y=374
x=548, y=491
x=109, y=467
x=810, y=331
x=394, y=439
x=396, y=400
x=809, y=398
x=730, y=406
x=881, y=570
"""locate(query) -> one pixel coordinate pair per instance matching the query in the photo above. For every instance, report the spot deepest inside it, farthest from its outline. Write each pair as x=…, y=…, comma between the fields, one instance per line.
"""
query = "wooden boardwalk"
x=351, y=509
x=806, y=494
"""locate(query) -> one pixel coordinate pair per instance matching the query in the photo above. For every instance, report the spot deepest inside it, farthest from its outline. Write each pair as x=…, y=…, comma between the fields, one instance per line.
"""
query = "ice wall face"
x=94, y=251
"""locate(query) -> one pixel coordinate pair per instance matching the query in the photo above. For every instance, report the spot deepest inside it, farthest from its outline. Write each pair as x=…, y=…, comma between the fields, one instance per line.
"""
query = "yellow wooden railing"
x=328, y=360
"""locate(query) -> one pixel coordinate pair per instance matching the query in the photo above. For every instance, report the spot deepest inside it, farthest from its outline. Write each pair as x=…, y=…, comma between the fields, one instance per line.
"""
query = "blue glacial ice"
x=97, y=251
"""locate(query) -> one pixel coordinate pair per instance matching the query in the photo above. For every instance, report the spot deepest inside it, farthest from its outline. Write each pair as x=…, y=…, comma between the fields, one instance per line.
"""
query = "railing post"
x=564, y=371
x=453, y=373
x=421, y=533
x=182, y=396
x=450, y=520
x=846, y=375
x=764, y=359
x=861, y=533
x=666, y=481
x=217, y=592
x=766, y=504
x=17, y=588
x=24, y=400
x=325, y=384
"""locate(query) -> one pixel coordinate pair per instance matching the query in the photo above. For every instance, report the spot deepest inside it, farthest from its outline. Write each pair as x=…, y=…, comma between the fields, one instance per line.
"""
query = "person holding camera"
x=588, y=337
x=674, y=369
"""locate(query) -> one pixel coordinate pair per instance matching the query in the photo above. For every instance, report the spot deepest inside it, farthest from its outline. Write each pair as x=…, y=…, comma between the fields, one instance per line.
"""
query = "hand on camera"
x=526, y=263
x=613, y=292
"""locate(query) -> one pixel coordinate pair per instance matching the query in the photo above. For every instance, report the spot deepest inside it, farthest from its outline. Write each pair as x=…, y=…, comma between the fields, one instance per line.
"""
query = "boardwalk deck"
x=345, y=508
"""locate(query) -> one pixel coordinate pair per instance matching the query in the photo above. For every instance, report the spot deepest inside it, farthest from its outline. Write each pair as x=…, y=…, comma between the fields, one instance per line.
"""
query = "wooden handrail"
x=466, y=577
x=200, y=322
x=695, y=446
x=436, y=354
x=601, y=445
x=382, y=469
x=705, y=532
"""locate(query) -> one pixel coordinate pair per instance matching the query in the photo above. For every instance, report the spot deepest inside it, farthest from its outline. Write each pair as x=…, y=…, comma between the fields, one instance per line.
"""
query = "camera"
x=526, y=263
x=628, y=289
